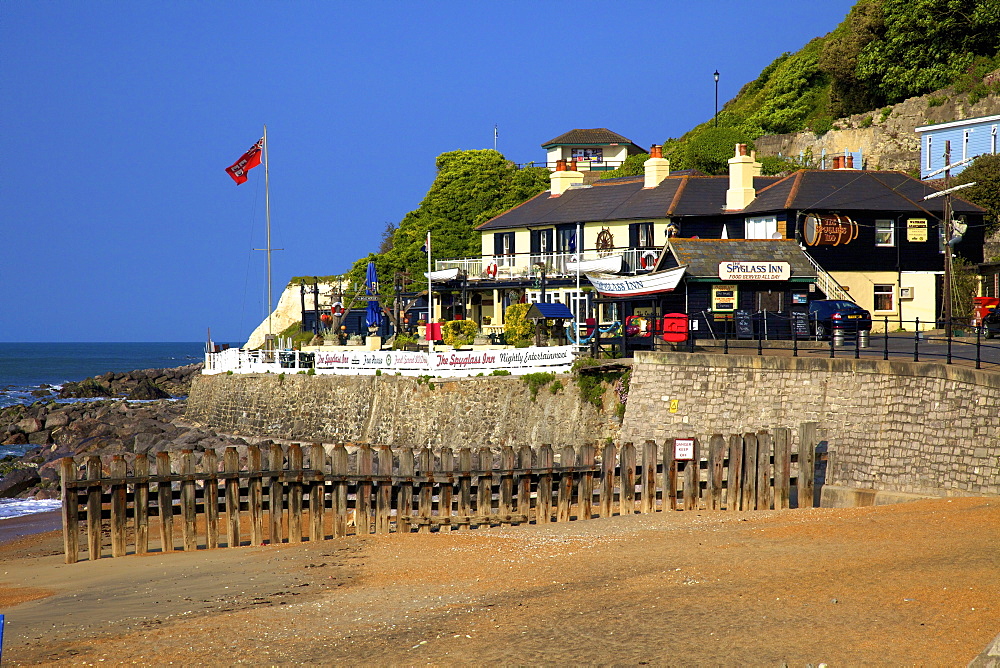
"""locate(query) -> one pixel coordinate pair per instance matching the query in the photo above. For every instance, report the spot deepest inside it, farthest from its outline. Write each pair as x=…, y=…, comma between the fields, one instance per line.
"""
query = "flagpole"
x=267, y=209
x=579, y=259
x=430, y=300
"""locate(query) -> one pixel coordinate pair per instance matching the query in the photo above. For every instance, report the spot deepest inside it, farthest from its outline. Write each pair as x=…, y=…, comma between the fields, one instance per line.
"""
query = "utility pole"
x=947, y=241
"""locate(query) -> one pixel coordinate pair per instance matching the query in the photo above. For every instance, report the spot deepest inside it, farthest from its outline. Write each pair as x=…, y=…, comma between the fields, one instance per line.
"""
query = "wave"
x=10, y=508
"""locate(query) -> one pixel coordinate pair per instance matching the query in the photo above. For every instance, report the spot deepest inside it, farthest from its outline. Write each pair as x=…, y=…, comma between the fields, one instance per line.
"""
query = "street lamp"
x=716, y=75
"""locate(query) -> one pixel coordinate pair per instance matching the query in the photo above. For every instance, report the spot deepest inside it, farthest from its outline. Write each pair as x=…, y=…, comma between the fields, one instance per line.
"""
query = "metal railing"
x=827, y=283
x=556, y=264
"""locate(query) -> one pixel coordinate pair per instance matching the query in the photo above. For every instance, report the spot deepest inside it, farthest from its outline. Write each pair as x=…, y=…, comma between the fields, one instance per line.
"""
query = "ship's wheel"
x=605, y=242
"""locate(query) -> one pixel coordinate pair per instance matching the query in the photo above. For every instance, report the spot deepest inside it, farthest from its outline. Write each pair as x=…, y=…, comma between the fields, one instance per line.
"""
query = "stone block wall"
x=396, y=410
x=923, y=428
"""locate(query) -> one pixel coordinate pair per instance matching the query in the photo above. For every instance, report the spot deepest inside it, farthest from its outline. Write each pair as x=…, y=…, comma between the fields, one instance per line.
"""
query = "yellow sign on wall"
x=916, y=229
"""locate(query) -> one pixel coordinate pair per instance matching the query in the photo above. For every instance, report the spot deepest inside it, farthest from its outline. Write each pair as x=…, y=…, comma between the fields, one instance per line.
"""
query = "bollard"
x=838, y=337
x=862, y=338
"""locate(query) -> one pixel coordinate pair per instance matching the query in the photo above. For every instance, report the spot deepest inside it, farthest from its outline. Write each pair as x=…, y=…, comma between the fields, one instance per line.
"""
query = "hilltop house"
x=969, y=137
x=869, y=236
x=597, y=149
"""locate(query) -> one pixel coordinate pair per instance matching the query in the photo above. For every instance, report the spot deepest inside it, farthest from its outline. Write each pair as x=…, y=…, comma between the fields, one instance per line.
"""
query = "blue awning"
x=549, y=311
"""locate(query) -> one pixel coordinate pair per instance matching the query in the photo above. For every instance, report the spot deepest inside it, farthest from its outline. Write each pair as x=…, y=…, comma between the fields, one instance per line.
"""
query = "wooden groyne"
x=294, y=493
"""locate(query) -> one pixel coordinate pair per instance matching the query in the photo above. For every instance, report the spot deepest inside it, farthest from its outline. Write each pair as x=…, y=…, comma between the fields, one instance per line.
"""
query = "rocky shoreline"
x=136, y=412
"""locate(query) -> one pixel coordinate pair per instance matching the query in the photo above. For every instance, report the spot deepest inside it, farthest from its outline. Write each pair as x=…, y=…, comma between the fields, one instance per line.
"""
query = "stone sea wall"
x=397, y=410
x=890, y=426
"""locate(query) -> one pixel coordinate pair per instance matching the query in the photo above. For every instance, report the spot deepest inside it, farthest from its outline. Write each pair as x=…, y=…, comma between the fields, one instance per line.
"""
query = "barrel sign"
x=830, y=229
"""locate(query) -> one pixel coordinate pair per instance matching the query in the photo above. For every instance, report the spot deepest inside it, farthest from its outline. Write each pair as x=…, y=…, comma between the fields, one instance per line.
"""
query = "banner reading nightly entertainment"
x=447, y=360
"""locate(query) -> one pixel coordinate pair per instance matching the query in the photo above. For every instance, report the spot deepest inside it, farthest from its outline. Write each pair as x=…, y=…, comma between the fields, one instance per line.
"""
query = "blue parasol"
x=373, y=316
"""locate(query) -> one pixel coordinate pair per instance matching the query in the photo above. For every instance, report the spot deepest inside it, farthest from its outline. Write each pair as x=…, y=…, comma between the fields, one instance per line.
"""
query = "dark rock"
x=145, y=389
x=43, y=437
x=60, y=419
x=40, y=393
x=30, y=425
x=17, y=482
x=17, y=438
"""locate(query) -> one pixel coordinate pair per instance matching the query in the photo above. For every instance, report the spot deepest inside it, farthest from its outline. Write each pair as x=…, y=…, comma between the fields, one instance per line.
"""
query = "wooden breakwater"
x=290, y=493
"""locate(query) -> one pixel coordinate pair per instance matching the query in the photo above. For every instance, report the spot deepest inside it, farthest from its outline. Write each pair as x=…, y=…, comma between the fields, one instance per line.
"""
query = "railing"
x=313, y=493
x=581, y=165
x=827, y=283
x=557, y=264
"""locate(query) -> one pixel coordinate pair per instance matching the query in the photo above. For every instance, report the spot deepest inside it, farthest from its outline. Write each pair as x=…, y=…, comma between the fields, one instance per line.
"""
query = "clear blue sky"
x=118, y=223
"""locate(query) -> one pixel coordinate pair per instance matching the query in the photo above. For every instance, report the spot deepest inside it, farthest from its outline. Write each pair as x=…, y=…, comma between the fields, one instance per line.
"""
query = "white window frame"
x=965, y=144
x=993, y=139
x=755, y=226
x=892, y=232
x=891, y=292
x=929, y=162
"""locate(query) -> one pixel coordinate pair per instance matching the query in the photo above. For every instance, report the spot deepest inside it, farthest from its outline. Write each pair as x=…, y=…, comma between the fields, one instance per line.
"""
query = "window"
x=588, y=154
x=761, y=227
x=884, y=297
x=965, y=144
x=929, y=158
x=993, y=139
x=503, y=249
x=641, y=235
x=884, y=233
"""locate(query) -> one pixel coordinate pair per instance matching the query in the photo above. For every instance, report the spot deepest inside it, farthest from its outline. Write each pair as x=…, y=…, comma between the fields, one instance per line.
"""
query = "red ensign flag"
x=238, y=170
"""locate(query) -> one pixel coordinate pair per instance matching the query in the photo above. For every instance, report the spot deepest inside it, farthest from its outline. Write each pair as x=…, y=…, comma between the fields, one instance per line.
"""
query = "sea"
x=27, y=367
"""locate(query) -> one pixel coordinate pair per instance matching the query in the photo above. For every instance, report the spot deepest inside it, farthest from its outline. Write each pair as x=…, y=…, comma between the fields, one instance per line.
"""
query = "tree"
x=711, y=149
x=985, y=172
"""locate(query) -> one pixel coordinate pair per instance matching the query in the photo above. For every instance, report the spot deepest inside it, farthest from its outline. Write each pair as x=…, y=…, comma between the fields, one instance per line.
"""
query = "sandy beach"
x=916, y=583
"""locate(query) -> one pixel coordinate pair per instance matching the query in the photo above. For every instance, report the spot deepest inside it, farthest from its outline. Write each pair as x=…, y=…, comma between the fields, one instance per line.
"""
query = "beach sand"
x=915, y=583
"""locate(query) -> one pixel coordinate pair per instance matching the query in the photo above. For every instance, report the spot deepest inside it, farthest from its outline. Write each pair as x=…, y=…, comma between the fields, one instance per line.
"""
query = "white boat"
x=443, y=274
x=611, y=285
x=612, y=264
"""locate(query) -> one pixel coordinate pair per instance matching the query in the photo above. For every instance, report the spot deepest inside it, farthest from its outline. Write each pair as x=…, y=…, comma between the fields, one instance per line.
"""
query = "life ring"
x=491, y=269
x=647, y=260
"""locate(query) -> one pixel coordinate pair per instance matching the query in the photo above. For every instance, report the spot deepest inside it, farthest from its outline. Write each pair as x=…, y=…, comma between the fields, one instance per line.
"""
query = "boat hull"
x=610, y=285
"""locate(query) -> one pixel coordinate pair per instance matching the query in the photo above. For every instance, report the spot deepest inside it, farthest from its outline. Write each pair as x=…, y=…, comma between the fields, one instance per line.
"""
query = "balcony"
x=523, y=265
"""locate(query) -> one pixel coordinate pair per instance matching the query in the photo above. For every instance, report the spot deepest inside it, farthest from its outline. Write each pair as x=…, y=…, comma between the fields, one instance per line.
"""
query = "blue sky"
x=118, y=222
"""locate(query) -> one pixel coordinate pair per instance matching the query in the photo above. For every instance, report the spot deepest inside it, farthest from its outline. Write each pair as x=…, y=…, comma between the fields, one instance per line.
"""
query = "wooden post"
x=119, y=506
x=275, y=493
x=164, y=502
x=464, y=488
x=295, y=493
x=692, y=480
x=586, y=489
x=764, y=447
x=446, y=490
x=231, y=463
x=506, y=493
x=94, y=507
x=140, y=504
x=567, y=460
x=669, y=475
x=363, y=507
x=484, y=486
x=627, y=495
x=734, y=485
x=70, y=510
x=647, y=503
x=317, y=492
x=543, y=504
x=383, y=494
x=210, y=465
x=404, y=502
x=524, y=483
x=425, y=500
x=716, y=459
x=749, y=492
x=338, y=498
x=807, y=464
x=608, y=456
x=188, y=502
x=782, y=468
x=255, y=493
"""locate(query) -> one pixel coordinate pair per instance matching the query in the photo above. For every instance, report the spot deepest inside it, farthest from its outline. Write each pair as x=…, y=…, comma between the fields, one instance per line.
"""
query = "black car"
x=827, y=315
x=991, y=324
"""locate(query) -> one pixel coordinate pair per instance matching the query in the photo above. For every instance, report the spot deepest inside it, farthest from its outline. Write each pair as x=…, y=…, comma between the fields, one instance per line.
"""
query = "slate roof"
x=702, y=256
x=624, y=199
x=833, y=190
x=588, y=137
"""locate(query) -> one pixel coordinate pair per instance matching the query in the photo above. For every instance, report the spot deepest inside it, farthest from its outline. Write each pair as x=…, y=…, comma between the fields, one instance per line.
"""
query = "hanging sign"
x=916, y=229
x=683, y=449
x=754, y=271
x=830, y=229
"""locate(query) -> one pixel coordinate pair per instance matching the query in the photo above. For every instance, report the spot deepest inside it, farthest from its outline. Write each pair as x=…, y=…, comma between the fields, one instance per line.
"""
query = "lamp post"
x=716, y=75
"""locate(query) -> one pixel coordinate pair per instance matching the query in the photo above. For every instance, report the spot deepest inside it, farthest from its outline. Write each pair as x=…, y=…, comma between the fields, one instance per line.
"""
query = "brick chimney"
x=742, y=169
x=838, y=162
x=657, y=167
x=561, y=179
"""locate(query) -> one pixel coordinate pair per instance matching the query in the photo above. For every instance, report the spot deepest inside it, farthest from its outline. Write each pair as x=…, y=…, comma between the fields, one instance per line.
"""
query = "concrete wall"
x=396, y=410
x=892, y=426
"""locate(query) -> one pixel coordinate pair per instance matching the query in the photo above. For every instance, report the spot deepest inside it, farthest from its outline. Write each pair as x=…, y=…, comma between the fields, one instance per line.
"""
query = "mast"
x=267, y=209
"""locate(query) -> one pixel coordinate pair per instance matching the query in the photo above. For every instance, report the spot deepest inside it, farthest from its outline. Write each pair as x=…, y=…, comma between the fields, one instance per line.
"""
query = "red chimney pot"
x=560, y=165
x=656, y=151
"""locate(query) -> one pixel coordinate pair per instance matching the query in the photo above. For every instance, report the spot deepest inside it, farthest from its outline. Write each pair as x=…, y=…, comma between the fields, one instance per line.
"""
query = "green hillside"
x=884, y=52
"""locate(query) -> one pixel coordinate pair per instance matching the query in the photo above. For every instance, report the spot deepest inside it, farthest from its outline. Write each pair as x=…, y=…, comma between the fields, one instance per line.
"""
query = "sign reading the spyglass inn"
x=828, y=230
x=754, y=271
